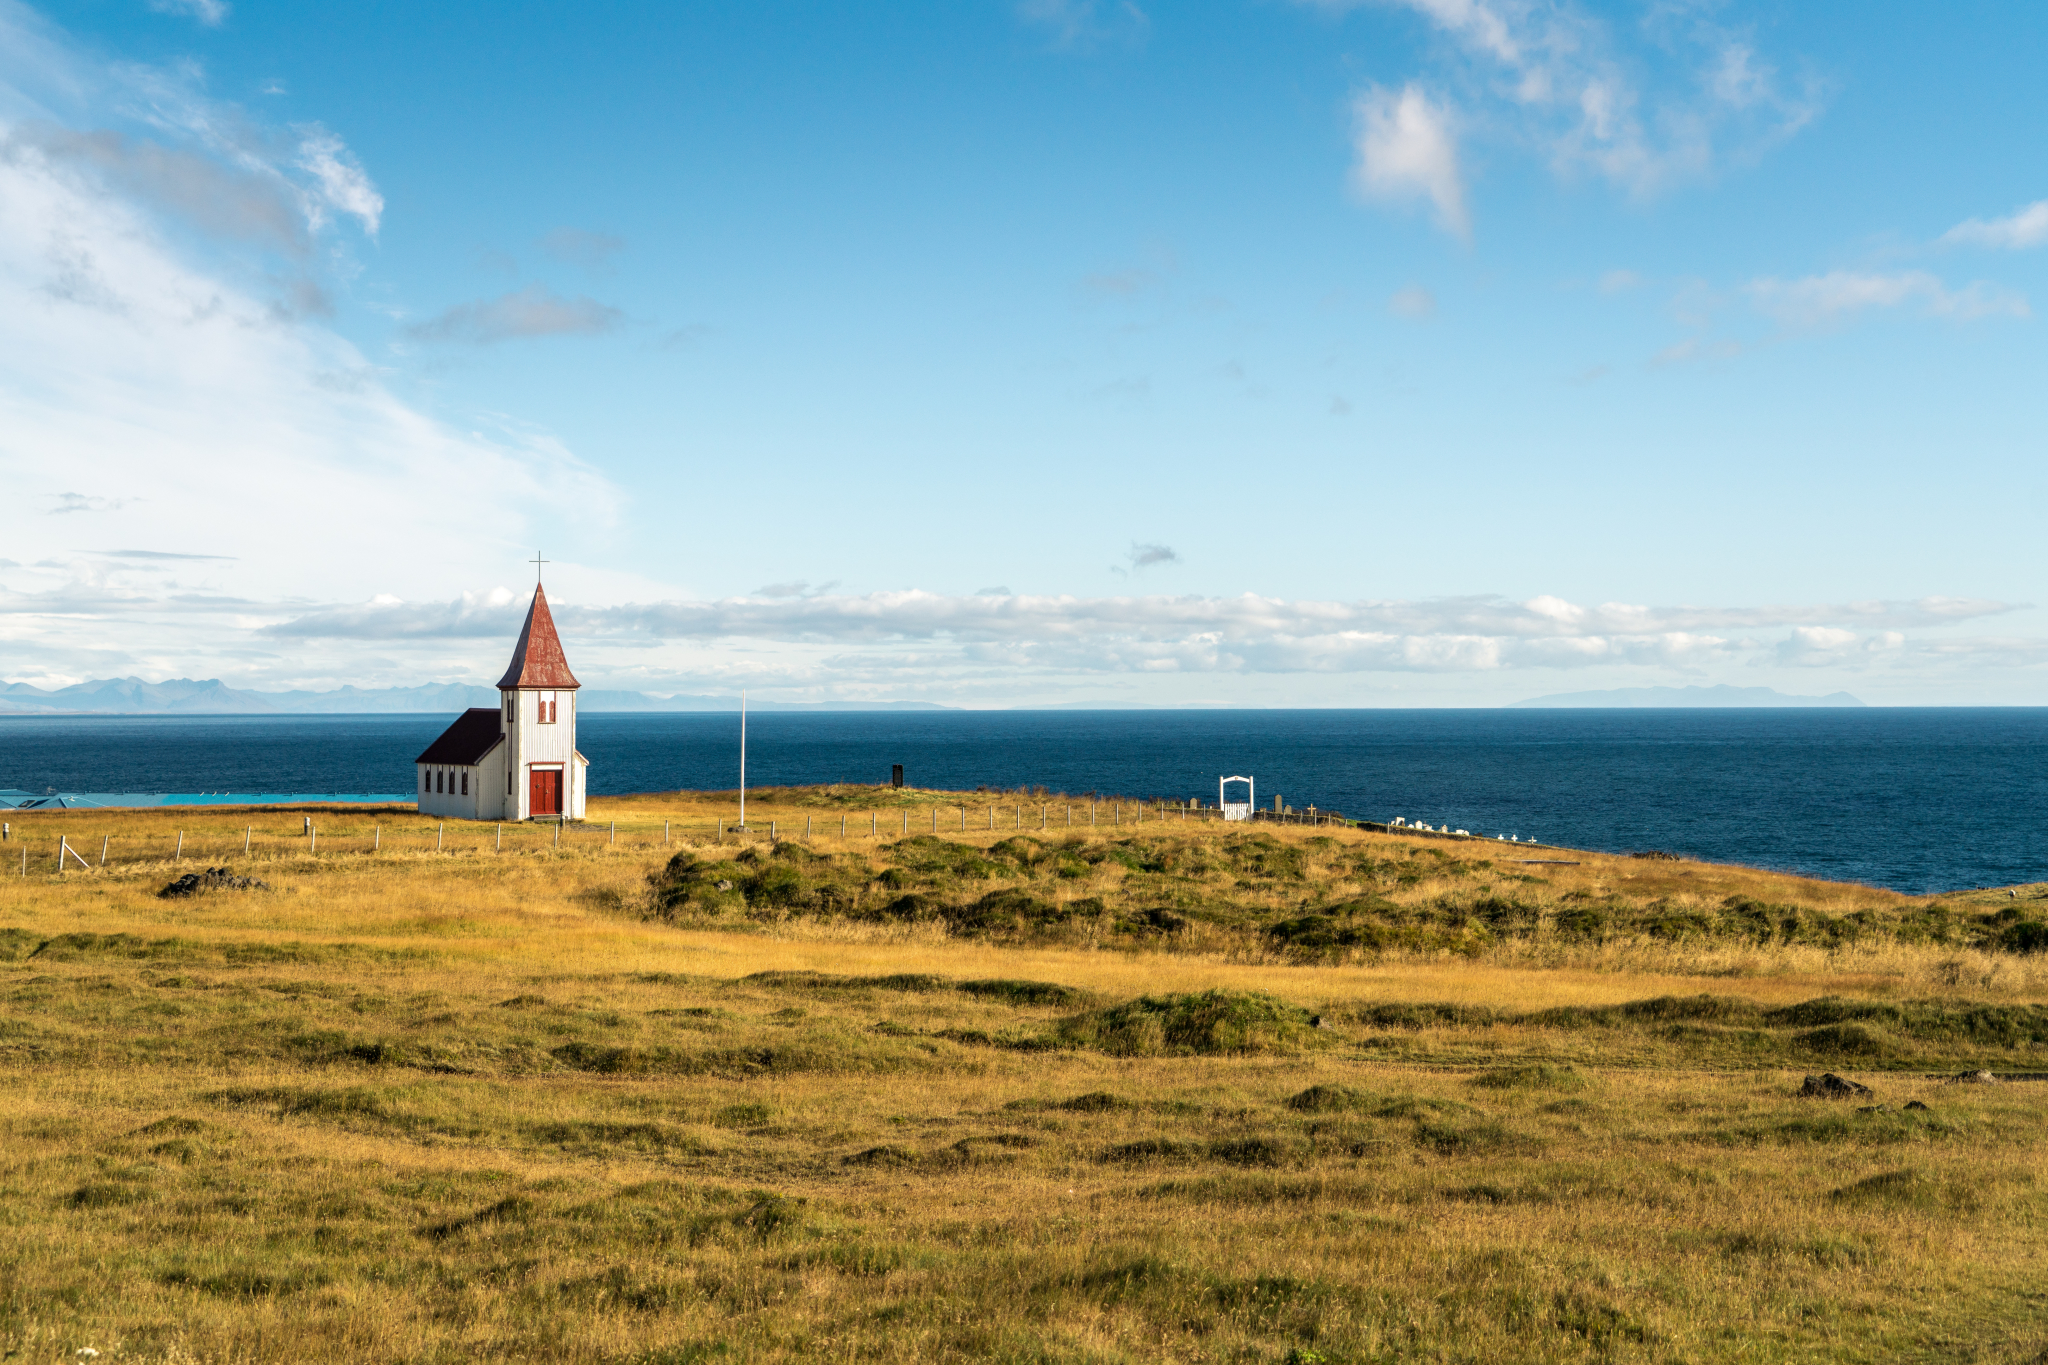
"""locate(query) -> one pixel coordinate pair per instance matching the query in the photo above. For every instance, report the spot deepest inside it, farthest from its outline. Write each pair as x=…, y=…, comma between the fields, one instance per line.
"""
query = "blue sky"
x=1407, y=352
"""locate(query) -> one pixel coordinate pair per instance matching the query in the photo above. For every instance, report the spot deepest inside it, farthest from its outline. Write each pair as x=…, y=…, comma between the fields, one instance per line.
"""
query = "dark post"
x=896, y=775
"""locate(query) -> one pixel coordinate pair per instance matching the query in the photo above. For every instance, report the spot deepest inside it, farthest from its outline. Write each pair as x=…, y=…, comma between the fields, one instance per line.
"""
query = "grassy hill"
x=1134, y=1091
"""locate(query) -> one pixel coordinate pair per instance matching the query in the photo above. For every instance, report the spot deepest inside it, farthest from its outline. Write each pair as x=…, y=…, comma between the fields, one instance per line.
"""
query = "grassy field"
x=1158, y=1091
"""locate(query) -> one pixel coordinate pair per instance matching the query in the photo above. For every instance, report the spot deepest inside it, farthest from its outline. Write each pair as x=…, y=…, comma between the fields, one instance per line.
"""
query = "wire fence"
x=43, y=851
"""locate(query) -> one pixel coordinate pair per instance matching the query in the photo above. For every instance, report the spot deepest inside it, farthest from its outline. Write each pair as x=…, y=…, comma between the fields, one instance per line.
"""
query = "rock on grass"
x=1832, y=1087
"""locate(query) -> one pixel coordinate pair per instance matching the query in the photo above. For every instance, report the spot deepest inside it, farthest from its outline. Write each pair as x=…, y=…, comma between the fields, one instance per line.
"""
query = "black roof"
x=475, y=733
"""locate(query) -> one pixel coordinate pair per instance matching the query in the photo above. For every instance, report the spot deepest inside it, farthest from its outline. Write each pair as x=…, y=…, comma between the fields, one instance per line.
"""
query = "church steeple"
x=537, y=660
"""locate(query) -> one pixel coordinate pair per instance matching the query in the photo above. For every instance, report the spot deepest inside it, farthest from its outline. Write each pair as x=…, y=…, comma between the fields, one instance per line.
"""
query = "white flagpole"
x=743, y=758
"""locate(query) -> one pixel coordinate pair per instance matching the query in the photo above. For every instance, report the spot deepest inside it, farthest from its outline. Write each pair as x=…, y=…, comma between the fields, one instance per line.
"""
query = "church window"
x=547, y=708
x=440, y=779
x=465, y=784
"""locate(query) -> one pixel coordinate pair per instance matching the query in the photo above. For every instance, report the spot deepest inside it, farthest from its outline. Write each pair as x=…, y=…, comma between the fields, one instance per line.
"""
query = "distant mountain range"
x=1721, y=695
x=212, y=697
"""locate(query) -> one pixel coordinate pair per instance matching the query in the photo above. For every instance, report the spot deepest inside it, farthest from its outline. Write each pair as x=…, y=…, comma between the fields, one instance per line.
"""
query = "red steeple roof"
x=537, y=660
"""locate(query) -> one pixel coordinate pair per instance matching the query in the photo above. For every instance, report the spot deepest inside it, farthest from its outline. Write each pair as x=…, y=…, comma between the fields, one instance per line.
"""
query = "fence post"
x=313, y=838
x=439, y=830
x=615, y=831
x=807, y=829
x=103, y=849
x=664, y=834
x=771, y=831
x=906, y=826
x=842, y=824
x=871, y=824
x=501, y=839
x=721, y=829
x=179, y=851
x=558, y=835
x=248, y=832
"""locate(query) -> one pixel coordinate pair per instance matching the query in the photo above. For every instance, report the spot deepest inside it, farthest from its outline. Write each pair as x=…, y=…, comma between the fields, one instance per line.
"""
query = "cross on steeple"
x=537, y=561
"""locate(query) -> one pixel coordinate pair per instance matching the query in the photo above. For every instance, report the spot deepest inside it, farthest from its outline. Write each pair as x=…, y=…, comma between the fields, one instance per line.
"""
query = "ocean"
x=1914, y=799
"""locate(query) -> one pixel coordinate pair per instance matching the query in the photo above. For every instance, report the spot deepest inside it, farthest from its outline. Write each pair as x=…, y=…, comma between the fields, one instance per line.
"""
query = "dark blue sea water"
x=1918, y=800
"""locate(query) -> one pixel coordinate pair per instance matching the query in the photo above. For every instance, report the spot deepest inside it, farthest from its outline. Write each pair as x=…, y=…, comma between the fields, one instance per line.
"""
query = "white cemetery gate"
x=1232, y=810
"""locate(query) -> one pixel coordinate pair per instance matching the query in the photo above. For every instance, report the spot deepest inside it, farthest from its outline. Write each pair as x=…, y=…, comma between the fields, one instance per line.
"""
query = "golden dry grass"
x=476, y=1106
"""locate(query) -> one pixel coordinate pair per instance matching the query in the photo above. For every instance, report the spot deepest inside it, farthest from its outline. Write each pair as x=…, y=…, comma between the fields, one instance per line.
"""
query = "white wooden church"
x=518, y=762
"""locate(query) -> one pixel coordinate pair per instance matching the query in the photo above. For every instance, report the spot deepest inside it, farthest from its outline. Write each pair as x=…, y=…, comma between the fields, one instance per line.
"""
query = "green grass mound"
x=1424, y=1015
x=1537, y=1076
x=916, y=983
x=943, y=860
x=1327, y=1099
x=1907, y=1189
x=1212, y=1023
x=1934, y=1021
x=1024, y=992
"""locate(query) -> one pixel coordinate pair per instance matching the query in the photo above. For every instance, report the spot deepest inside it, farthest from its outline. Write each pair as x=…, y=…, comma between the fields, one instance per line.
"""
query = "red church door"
x=544, y=793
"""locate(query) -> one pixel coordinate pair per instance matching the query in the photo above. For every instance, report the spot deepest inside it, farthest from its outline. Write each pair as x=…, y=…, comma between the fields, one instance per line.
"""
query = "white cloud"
x=1824, y=300
x=1479, y=631
x=794, y=588
x=211, y=13
x=1816, y=646
x=2022, y=228
x=1668, y=98
x=1086, y=25
x=1736, y=80
x=995, y=645
x=1414, y=302
x=1407, y=150
x=210, y=162
x=339, y=178
x=145, y=387
x=1478, y=24
x=1695, y=348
